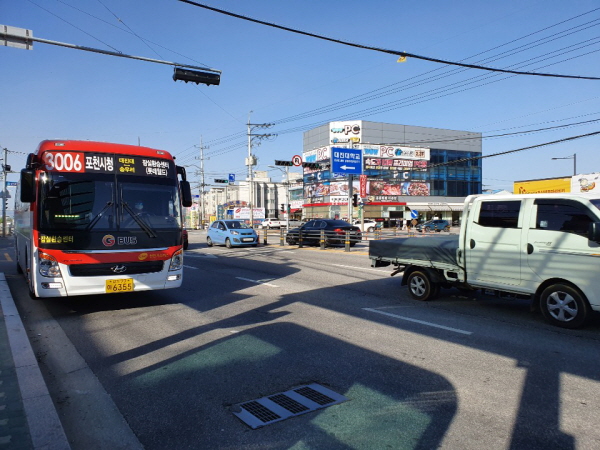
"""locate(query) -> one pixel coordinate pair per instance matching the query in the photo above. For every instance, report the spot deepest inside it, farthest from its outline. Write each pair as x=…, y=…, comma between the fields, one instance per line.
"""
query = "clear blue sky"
x=56, y=92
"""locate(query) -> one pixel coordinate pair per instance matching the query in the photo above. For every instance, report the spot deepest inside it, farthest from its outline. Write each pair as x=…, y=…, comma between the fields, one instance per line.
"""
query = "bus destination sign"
x=80, y=162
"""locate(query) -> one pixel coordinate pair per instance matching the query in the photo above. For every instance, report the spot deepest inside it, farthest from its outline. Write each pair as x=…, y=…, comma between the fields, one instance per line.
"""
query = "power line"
x=572, y=138
x=74, y=26
x=401, y=54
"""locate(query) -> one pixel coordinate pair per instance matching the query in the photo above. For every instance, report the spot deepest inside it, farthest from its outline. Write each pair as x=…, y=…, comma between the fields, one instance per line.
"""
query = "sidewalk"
x=28, y=418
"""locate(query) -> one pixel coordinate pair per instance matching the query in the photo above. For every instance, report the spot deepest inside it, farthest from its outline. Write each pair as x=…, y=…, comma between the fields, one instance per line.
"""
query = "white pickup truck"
x=545, y=247
x=279, y=223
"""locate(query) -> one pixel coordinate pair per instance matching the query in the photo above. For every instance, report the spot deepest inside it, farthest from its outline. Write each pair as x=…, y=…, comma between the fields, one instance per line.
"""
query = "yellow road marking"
x=7, y=256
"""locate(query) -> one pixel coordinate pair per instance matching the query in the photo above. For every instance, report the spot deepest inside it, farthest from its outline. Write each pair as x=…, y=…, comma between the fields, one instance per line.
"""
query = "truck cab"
x=543, y=245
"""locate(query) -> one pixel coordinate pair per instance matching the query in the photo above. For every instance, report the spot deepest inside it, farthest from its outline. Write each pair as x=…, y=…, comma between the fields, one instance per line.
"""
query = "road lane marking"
x=7, y=256
x=257, y=282
x=200, y=255
x=190, y=267
x=422, y=322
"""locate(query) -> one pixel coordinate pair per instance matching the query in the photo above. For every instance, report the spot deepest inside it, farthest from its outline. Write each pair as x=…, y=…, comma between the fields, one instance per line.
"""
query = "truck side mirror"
x=594, y=232
x=27, y=185
x=186, y=193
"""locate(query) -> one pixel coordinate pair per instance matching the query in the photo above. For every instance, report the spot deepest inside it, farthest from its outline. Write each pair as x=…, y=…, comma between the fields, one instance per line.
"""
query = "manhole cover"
x=276, y=407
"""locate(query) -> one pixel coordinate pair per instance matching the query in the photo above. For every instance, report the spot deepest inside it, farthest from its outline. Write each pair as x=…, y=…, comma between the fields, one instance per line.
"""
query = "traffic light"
x=221, y=180
x=284, y=163
x=355, y=200
x=310, y=165
x=282, y=207
x=195, y=76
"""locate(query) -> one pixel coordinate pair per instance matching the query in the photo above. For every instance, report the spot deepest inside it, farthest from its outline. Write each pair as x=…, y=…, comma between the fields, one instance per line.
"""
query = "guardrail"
x=328, y=239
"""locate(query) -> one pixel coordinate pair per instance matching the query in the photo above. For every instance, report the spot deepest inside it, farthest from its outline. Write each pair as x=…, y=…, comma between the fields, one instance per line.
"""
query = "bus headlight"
x=48, y=265
x=176, y=261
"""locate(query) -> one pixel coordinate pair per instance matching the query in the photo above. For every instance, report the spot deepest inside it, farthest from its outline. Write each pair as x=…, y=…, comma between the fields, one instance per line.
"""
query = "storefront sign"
x=542, y=186
x=586, y=183
x=387, y=151
x=345, y=132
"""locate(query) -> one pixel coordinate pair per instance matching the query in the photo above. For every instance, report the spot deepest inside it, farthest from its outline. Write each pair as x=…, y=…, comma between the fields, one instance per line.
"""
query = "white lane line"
x=361, y=268
x=422, y=322
x=257, y=282
x=200, y=255
x=190, y=267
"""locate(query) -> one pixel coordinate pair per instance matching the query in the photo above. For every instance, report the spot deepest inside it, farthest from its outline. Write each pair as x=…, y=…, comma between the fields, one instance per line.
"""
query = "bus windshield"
x=108, y=203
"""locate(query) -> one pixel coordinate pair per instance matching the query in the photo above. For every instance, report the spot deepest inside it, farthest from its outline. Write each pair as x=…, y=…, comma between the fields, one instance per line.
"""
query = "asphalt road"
x=165, y=370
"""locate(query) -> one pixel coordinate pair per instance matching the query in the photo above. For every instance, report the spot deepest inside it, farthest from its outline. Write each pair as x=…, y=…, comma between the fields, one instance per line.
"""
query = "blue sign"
x=11, y=183
x=414, y=214
x=232, y=177
x=346, y=160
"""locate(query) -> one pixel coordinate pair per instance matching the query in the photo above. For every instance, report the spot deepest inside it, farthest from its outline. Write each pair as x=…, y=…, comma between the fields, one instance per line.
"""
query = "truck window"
x=563, y=217
x=500, y=214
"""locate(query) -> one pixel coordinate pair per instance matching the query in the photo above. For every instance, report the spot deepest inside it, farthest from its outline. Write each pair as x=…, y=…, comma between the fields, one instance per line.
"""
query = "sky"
x=298, y=82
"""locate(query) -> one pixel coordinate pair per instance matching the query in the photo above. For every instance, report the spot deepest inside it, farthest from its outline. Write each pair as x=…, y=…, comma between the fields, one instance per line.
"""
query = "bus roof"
x=100, y=147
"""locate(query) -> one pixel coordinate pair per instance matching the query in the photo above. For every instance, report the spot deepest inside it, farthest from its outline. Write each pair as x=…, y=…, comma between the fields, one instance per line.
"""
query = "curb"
x=42, y=419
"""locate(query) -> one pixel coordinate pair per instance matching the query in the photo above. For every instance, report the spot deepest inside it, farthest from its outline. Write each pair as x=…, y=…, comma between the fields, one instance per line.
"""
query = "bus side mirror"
x=594, y=232
x=27, y=186
x=186, y=193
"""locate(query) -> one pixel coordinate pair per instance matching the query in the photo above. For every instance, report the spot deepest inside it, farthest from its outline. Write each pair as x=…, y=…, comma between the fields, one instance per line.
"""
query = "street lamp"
x=287, y=193
x=574, y=158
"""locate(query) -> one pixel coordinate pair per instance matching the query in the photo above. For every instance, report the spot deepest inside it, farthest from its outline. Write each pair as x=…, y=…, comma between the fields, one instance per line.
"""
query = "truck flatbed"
x=429, y=251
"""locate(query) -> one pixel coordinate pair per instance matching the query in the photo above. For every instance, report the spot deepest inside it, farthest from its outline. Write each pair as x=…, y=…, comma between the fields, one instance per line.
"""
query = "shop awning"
x=435, y=206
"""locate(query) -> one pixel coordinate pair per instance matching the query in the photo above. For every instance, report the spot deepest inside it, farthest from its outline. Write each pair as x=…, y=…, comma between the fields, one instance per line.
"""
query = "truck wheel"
x=564, y=306
x=421, y=287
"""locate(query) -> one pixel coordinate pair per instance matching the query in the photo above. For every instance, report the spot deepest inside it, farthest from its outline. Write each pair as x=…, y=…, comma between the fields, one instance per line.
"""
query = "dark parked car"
x=184, y=235
x=334, y=232
x=433, y=225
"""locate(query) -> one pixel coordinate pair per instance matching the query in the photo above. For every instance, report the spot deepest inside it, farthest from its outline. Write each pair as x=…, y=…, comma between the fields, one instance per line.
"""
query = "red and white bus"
x=95, y=218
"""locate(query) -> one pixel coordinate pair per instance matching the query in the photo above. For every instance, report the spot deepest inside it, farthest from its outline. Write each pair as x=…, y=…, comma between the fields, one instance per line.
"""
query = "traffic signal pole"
x=350, y=198
x=287, y=198
x=4, y=198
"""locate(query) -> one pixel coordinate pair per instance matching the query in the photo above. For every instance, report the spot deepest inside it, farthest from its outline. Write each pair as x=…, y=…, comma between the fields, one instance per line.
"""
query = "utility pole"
x=202, y=184
x=254, y=139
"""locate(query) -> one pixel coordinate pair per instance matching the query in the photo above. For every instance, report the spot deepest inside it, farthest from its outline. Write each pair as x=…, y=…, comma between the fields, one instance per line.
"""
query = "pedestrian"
x=404, y=221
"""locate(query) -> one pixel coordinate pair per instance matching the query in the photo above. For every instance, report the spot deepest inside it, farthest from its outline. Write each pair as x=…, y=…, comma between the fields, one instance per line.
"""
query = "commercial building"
x=404, y=168
x=577, y=183
x=269, y=199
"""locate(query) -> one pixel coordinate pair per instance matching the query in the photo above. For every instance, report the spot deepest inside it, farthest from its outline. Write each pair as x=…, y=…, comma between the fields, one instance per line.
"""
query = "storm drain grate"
x=291, y=405
x=261, y=412
x=274, y=408
x=313, y=395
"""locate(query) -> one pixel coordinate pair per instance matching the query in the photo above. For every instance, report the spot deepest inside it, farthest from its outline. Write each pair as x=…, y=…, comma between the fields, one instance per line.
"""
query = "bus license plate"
x=123, y=285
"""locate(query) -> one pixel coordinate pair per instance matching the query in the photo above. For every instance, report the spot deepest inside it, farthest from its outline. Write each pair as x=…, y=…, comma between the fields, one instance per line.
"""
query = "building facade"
x=231, y=201
x=404, y=168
